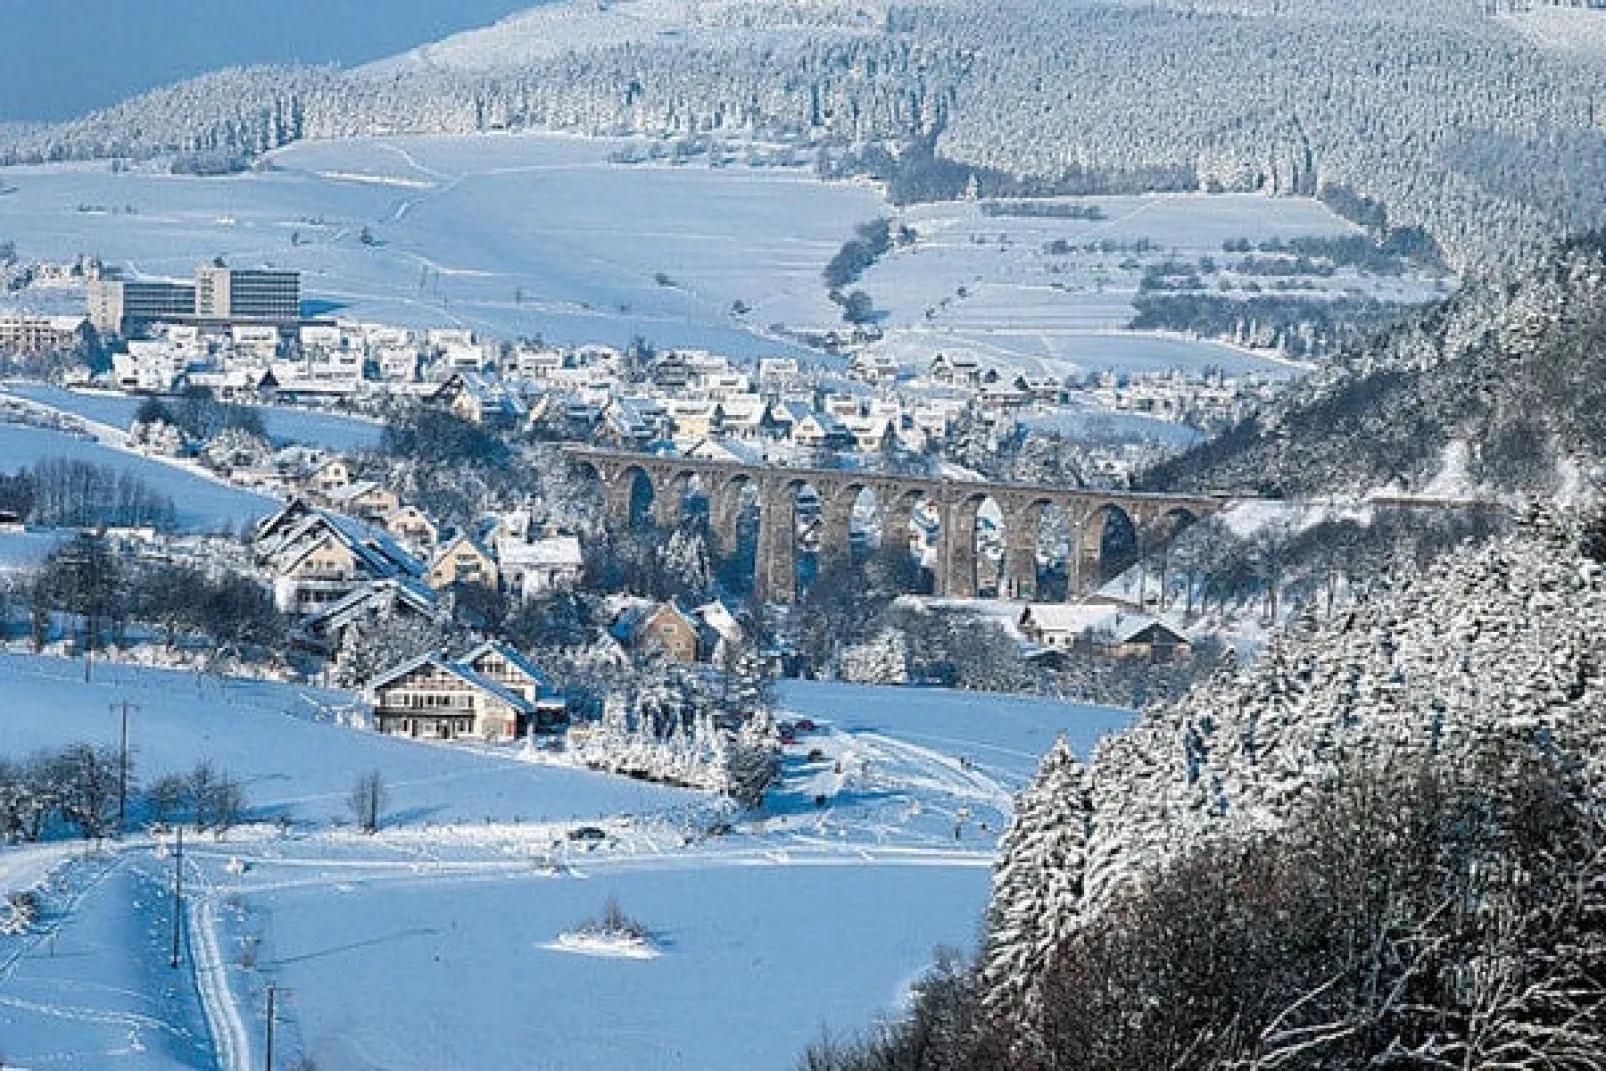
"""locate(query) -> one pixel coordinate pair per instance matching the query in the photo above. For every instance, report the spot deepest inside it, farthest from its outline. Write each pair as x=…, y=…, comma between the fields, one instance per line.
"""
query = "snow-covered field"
x=332, y=431
x=515, y=235
x=525, y=235
x=1050, y=294
x=203, y=505
x=799, y=919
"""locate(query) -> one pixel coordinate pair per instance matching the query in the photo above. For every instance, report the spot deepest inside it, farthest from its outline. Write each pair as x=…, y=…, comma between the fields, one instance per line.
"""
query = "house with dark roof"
x=317, y=557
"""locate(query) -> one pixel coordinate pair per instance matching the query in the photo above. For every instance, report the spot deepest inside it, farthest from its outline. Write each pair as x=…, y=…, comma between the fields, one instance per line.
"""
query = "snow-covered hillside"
x=794, y=919
x=203, y=504
x=547, y=32
x=329, y=431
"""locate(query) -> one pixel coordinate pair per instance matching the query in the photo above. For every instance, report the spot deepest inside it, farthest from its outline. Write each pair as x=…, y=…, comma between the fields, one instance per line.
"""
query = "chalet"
x=871, y=433
x=877, y=368
x=1045, y=390
x=671, y=372
x=318, y=558
x=464, y=560
x=326, y=630
x=1111, y=631
x=536, y=362
x=365, y=499
x=960, y=371
x=413, y=527
x=502, y=665
x=328, y=476
x=632, y=423
x=822, y=431
x=661, y=628
x=550, y=563
x=691, y=418
x=740, y=417
x=777, y=373
x=469, y=396
x=781, y=417
x=436, y=699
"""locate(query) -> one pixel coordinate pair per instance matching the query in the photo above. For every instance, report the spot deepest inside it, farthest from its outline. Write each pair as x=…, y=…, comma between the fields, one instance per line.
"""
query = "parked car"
x=588, y=833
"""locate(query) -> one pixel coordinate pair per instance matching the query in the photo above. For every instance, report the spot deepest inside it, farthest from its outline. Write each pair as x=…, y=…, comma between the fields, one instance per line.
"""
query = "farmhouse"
x=663, y=628
x=1112, y=631
x=464, y=561
x=433, y=698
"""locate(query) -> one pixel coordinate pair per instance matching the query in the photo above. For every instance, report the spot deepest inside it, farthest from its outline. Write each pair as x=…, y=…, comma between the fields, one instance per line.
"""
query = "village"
x=348, y=550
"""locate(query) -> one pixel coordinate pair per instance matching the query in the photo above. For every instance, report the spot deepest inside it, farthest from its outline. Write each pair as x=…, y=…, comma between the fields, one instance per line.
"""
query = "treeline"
x=104, y=592
x=201, y=416
x=64, y=493
x=81, y=788
x=1305, y=327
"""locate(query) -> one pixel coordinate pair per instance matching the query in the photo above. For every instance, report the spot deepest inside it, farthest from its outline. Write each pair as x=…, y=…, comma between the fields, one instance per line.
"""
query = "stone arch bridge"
x=956, y=503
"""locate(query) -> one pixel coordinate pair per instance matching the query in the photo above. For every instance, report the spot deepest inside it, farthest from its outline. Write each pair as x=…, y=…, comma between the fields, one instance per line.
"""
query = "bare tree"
x=368, y=800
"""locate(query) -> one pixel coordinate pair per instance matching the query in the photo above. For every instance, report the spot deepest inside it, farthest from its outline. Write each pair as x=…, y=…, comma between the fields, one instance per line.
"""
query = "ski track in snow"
x=223, y=1017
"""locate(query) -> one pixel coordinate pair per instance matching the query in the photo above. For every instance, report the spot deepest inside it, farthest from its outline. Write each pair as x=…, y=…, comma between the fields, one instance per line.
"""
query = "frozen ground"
x=799, y=919
x=332, y=431
x=203, y=505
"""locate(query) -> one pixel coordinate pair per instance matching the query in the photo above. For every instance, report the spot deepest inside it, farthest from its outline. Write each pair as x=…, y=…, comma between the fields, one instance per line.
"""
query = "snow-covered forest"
x=1441, y=117
x=1378, y=842
x=1498, y=391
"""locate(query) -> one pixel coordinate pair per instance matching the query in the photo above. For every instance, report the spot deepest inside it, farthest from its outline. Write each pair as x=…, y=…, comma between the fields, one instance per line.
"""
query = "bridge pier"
x=775, y=578
x=724, y=514
x=668, y=506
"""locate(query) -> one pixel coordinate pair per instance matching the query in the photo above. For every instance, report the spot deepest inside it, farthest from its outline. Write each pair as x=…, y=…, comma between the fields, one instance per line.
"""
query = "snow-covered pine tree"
x=1037, y=886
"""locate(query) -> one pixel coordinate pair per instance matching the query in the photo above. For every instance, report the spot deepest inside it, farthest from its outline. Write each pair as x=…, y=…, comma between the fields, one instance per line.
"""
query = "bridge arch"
x=1107, y=544
x=630, y=497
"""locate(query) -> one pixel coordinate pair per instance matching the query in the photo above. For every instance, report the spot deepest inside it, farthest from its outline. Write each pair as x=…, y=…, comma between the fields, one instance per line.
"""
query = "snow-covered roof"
x=508, y=655
x=390, y=591
x=555, y=551
x=460, y=670
x=1112, y=622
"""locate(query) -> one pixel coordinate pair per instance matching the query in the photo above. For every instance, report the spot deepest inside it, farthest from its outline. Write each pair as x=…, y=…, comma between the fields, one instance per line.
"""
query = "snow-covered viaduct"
x=644, y=488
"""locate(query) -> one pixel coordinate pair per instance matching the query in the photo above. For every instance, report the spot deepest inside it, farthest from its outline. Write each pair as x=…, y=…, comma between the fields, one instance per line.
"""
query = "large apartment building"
x=219, y=293
x=116, y=305
x=224, y=293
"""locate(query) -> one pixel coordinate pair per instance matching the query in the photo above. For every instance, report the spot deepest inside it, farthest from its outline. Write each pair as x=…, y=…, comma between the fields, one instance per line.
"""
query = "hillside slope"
x=1442, y=118
x=1498, y=391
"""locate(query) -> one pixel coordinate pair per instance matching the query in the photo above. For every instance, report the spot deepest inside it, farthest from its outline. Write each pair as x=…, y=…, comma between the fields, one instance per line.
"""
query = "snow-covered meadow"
x=801, y=918
x=513, y=235
x=546, y=235
x=203, y=504
x=284, y=425
x=1050, y=294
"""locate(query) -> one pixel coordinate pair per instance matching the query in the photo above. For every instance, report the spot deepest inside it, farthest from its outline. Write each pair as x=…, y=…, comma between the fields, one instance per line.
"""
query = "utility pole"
x=122, y=764
x=273, y=992
x=178, y=892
